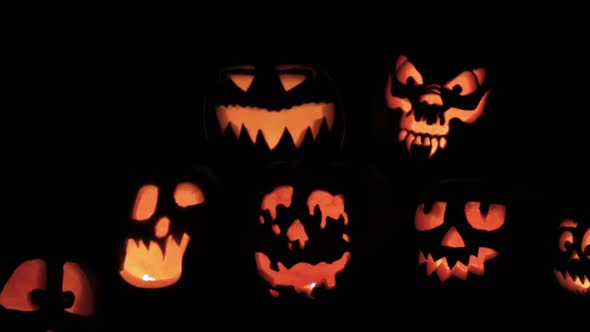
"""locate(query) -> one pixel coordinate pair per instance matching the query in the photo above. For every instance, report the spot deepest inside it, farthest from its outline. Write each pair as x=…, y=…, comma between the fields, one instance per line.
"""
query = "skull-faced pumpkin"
x=307, y=240
x=572, y=268
x=430, y=99
x=274, y=109
x=458, y=231
x=154, y=259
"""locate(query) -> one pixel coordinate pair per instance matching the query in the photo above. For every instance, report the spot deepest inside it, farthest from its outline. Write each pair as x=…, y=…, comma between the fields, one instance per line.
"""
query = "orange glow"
x=296, y=233
x=467, y=116
x=188, y=194
x=27, y=277
x=574, y=284
x=404, y=70
x=162, y=227
x=568, y=223
x=276, y=229
x=149, y=267
x=145, y=203
x=242, y=80
x=427, y=221
x=565, y=237
x=469, y=81
x=493, y=220
x=296, y=121
x=279, y=196
x=585, y=241
x=291, y=80
x=303, y=277
x=346, y=238
x=453, y=239
x=76, y=280
x=459, y=270
x=330, y=205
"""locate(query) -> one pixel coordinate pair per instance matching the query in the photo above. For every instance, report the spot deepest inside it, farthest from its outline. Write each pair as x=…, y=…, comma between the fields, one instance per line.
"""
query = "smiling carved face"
x=307, y=244
x=572, y=268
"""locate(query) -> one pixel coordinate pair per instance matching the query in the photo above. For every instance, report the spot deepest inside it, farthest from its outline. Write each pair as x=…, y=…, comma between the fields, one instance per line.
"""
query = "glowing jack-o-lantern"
x=308, y=240
x=274, y=109
x=456, y=231
x=429, y=102
x=155, y=260
x=573, y=267
x=26, y=289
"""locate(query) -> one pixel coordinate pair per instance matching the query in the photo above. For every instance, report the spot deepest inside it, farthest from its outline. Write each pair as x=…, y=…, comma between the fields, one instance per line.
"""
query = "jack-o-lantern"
x=303, y=233
x=572, y=268
x=155, y=259
x=459, y=227
x=32, y=288
x=274, y=110
x=430, y=103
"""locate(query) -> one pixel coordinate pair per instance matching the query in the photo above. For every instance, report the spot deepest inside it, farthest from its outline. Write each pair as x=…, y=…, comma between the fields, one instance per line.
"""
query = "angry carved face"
x=274, y=108
x=306, y=243
x=572, y=269
x=428, y=105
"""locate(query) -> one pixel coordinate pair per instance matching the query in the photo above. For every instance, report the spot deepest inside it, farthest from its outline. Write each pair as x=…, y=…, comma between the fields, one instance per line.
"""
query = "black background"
x=87, y=100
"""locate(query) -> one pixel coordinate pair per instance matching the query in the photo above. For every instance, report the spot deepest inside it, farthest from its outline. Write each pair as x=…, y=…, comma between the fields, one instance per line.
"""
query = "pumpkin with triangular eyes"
x=273, y=110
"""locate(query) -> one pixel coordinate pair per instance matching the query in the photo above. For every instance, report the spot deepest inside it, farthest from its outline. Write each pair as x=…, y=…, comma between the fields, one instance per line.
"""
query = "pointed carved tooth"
x=421, y=258
x=409, y=141
x=402, y=135
x=433, y=147
x=418, y=140
x=328, y=114
x=460, y=271
x=222, y=118
x=443, y=271
x=431, y=265
x=443, y=142
x=426, y=141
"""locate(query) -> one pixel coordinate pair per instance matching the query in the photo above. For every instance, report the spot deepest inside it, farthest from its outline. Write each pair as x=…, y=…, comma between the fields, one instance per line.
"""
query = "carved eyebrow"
x=292, y=67
x=568, y=223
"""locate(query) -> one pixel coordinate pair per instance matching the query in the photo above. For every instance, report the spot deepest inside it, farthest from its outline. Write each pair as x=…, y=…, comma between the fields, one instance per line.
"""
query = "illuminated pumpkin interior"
x=303, y=277
x=76, y=281
x=27, y=277
x=574, y=273
x=159, y=263
x=489, y=222
x=295, y=121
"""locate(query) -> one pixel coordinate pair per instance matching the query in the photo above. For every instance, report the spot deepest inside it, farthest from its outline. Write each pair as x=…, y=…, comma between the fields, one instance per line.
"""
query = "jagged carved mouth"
x=154, y=265
x=476, y=264
x=422, y=139
x=303, y=277
x=271, y=126
x=574, y=283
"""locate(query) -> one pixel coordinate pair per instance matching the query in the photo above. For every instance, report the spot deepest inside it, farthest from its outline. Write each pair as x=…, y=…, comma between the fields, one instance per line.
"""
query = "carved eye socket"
x=406, y=73
x=425, y=221
x=490, y=221
x=76, y=285
x=241, y=76
x=26, y=279
x=145, y=203
x=188, y=194
x=566, y=241
x=586, y=244
x=467, y=82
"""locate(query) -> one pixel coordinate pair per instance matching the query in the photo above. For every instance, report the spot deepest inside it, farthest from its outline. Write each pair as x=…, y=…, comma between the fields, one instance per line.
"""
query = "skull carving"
x=309, y=243
x=429, y=105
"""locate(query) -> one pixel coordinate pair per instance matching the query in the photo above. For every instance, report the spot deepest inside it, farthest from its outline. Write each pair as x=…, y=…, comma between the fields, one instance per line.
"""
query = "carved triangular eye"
x=291, y=80
x=241, y=76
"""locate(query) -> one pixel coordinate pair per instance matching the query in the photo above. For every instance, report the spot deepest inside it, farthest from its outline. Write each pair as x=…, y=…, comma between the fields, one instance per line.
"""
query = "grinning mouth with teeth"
x=271, y=126
x=575, y=283
x=433, y=142
x=476, y=265
x=155, y=265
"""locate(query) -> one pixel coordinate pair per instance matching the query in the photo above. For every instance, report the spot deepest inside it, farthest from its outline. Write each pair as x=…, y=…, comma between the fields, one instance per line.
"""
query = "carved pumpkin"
x=573, y=272
x=303, y=233
x=458, y=230
x=155, y=259
x=273, y=110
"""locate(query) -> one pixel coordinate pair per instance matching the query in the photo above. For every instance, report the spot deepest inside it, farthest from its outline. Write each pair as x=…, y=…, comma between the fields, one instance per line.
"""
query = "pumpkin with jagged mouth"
x=154, y=259
x=430, y=100
x=457, y=232
x=274, y=109
x=572, y=269
x=306, y=242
